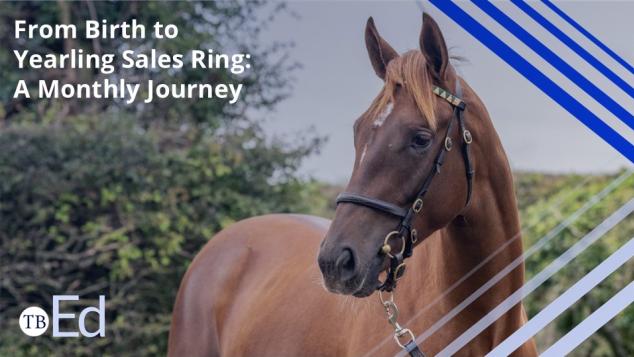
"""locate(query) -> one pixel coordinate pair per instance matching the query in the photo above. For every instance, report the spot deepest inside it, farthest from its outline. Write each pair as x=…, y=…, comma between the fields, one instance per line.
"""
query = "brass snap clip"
x=392, y=316
x=402, y=332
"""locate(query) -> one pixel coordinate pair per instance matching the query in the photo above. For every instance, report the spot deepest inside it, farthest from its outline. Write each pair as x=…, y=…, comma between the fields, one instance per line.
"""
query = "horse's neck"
x=489, y=232
x=490, y=222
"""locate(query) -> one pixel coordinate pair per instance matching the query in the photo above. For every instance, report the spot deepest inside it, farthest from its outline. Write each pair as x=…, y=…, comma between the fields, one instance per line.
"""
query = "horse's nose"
x=337, y=267
x=345, y=264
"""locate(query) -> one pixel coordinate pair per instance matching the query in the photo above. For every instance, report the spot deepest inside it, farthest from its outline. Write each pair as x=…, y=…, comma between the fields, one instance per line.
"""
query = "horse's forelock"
x=410, y=72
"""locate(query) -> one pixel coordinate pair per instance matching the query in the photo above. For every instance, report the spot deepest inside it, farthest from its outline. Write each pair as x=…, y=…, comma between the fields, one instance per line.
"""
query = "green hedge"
x=105, y=207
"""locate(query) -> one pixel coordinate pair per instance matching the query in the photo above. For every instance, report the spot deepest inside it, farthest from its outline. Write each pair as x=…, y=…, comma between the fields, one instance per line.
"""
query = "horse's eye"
x=421, y=141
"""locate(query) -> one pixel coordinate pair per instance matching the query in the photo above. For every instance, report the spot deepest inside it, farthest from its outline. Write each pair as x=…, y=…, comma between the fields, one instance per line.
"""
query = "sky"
x=336, y=83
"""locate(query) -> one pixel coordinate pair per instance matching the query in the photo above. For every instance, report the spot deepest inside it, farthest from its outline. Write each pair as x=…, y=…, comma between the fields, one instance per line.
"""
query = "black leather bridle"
x=404, y=229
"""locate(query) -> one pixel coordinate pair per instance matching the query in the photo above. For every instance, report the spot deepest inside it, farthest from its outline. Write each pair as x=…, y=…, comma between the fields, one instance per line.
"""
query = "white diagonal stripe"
x=565, y=300
x=530, y=251
x=538, y=279
x=592, y=323
x=593, y=200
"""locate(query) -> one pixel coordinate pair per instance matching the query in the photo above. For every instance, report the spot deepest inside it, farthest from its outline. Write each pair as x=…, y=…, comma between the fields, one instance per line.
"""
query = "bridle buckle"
x=417, y=205
x=399, y=271
x=466, y=135
x=448, y=143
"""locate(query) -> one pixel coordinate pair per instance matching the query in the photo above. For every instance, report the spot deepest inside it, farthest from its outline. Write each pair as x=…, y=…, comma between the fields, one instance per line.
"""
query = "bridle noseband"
x=404, y=229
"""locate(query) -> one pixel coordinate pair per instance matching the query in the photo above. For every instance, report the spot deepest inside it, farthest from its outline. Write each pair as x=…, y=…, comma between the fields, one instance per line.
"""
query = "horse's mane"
x=410, y=72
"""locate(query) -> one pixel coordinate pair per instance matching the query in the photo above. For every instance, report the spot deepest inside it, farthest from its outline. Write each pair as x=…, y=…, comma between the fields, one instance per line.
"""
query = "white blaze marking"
x=383, y=116
x=365, y=150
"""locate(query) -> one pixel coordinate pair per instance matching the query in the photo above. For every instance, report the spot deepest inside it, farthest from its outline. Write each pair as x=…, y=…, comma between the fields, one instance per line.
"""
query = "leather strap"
x=372, y=203
x=412, y=348
x=466, y=141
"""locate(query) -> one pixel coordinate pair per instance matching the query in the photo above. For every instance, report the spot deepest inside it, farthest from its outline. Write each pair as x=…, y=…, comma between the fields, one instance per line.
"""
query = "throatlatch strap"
x=466, y=141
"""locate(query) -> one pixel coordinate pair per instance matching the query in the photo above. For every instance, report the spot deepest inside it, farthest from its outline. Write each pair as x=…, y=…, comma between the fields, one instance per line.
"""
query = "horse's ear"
x=380, y=52
x=432, y=44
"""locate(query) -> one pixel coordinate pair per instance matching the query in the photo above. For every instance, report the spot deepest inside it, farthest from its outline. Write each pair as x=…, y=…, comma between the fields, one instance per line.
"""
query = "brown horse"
x=255, y=289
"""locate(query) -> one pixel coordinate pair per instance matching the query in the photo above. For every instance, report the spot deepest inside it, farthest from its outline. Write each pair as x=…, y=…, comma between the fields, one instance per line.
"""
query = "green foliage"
x=544, y=214
x=99, y=208
x=98, y=197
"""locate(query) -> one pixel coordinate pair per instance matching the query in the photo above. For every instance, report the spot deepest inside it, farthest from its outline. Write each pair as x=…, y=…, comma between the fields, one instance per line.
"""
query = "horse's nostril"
x=345, y=264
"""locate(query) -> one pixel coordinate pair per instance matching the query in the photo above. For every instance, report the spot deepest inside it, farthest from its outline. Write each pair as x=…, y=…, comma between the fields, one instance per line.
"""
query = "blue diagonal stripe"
x=582, y=52
x=556, y=61
x=591, y=37
x=531, y=73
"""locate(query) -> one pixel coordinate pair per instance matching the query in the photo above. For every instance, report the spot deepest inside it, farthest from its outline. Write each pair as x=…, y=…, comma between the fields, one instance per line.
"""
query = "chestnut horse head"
x=399, y=141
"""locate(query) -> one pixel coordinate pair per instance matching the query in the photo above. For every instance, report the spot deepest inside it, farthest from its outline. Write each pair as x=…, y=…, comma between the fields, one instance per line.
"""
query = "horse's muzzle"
x=339, y=269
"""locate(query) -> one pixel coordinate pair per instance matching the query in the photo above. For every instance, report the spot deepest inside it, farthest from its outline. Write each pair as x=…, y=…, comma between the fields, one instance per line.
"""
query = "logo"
x=34, y=320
